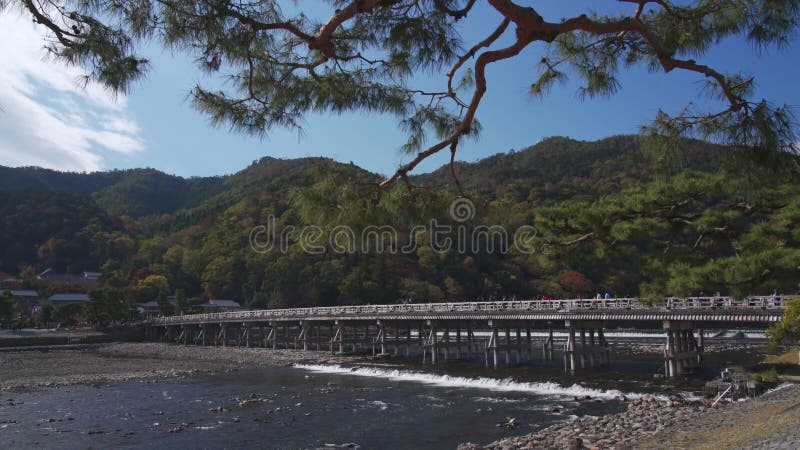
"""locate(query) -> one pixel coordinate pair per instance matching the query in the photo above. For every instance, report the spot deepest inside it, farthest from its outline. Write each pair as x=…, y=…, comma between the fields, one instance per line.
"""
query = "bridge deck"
x=752, y=310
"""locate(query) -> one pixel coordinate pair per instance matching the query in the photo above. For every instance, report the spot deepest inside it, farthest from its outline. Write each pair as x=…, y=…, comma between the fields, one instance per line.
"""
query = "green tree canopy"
x=8, y=306
x=787, y=331
x=46, y=314
x=107, y=305
x=686, y=234
x=67, y=314
x=285, y=60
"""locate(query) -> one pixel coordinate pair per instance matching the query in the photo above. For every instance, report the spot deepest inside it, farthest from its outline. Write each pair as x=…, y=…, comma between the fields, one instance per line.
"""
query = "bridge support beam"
x=682, y=352
x=200, y=339
x=337, y=338
x=244, y=335
x=582, y=352
x=183, y=336
x=352, y=334
x=393, y=337
x=547, y=347
x=310, y=335
x=380, y=339
x=501, y=342
x=268, y=333
x=444, y=339
x=222, y=337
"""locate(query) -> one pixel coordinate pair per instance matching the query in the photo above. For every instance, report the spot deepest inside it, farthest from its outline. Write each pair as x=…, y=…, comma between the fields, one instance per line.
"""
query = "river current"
x=394, y=404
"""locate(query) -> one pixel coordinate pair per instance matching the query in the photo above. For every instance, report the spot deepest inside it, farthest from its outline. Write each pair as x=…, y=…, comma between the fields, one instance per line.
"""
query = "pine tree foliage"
x=787, y=331
x=690, y=233
x=284, y=60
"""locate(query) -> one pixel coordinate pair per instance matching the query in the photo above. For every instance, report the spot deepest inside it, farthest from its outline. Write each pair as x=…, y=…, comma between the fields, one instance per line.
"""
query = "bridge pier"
x=183, y=336
x=380, y=339
x=318, y=337
x=269, y=337
x=200, y=338
x=521, y=349
x=309, y=335
x=393, y=337
x=466, y=342
x=245, y=334
x=451, y=344
x=388, y=338
x=430, y=343
x=222, y=337
x=547, y=347
x=355, y=335
x=585, y=353
x=302, y=338
x=682, y=352
x=336, y=339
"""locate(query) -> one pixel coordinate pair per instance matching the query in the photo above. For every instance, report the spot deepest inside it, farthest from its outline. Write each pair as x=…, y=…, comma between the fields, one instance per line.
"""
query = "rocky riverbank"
x=120, y=362
x=645, y=416
x=770, y=421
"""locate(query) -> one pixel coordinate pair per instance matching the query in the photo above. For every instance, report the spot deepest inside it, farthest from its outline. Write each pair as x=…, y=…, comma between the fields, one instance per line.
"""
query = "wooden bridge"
x=444, y=331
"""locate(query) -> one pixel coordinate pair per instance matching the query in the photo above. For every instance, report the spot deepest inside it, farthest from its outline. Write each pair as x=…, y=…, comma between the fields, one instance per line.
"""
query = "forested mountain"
x=560, y=168
x=135, y=192
x=606, y=218
x=49, y=228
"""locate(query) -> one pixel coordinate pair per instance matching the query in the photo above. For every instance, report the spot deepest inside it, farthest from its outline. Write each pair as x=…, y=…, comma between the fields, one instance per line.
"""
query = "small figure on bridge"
x=608, y=296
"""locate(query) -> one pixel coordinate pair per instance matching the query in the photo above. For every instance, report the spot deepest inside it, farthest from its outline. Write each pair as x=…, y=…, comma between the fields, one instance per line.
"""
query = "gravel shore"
x=771, y=421
x=120, y=362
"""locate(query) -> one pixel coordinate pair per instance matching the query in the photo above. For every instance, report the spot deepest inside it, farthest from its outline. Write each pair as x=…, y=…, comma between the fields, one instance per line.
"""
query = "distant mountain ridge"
x=143, y=192
x=564, y=168
x=560, y=164
x=134, y=192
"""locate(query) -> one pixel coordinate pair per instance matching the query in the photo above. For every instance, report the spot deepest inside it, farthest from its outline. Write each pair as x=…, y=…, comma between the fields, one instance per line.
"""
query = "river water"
x=396, y=404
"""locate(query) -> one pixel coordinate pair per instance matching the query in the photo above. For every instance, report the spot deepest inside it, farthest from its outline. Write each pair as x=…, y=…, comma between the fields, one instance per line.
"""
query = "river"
x=394, y=404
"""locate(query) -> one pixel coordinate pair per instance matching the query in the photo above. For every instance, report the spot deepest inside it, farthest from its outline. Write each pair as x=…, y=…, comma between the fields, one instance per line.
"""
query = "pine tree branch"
x=578, y=240
x=483, y=60
x=63, y=36
x=484, y=43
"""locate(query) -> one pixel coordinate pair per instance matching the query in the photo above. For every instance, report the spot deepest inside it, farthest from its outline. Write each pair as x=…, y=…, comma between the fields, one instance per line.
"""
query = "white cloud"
x=48, y=117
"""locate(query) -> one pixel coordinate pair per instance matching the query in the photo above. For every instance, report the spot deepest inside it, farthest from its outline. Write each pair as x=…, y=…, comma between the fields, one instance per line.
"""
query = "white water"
x=778, y=388
x=492, y=384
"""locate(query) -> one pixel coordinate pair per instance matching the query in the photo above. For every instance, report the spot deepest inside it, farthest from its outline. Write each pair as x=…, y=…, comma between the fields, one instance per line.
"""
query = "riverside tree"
x=787, y=331
x=8, y=306
x=286, y=59
x=683, y=235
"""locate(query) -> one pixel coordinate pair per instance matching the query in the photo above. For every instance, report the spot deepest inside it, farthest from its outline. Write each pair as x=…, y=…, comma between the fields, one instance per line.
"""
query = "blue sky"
x=48, y=120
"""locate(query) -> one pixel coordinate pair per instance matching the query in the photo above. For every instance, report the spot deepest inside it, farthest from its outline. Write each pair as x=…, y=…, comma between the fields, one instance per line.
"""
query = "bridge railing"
x=754, y=302
x=773, y=302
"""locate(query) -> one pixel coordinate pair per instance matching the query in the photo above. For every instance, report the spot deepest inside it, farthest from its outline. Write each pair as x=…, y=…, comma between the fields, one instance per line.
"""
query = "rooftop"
x=221, y=303
x=23, y=293
x=69, y=298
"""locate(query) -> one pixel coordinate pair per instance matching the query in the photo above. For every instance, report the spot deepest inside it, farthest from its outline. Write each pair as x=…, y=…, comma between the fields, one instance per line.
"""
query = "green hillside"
x=136, y=192
x=606, y=218
x=560, y=168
